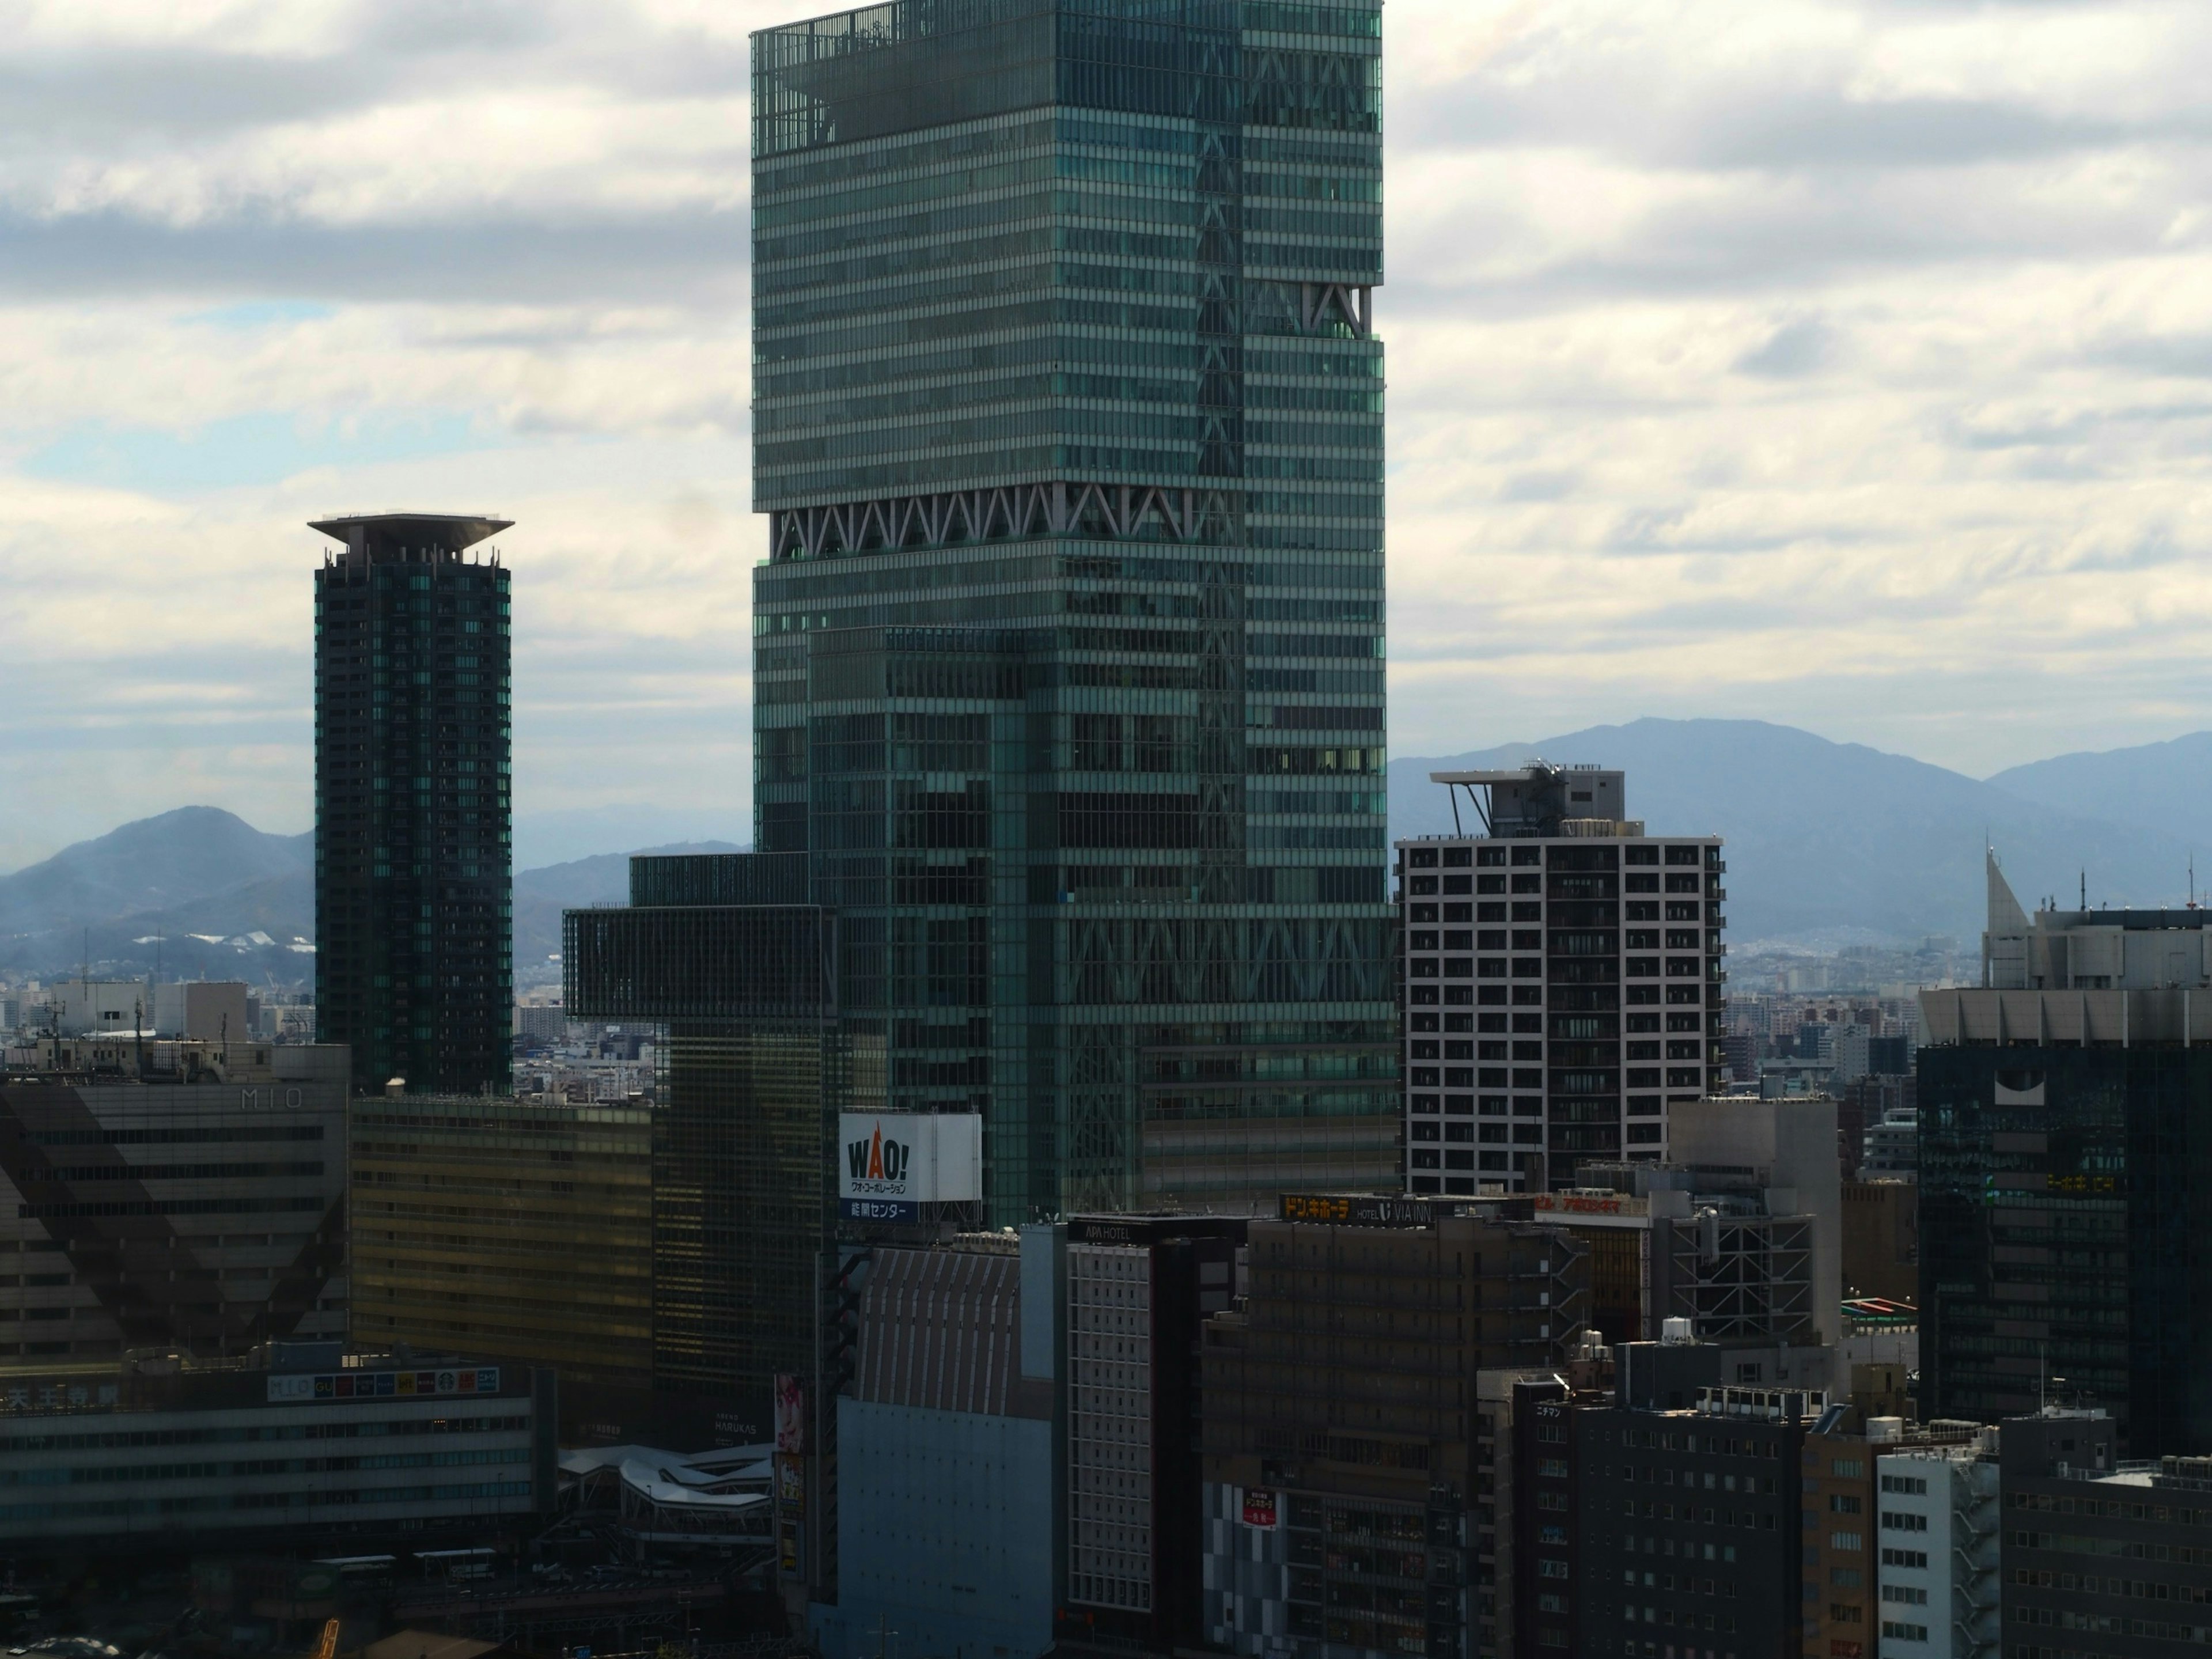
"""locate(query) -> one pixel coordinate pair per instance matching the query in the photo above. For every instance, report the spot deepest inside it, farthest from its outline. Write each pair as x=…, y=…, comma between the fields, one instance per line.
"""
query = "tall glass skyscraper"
x=414, y=902
x=1068, y=654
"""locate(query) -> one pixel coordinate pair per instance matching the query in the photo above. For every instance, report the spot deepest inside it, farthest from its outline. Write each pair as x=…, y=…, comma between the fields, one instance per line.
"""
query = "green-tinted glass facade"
x=414, y=898
x=1068, y=656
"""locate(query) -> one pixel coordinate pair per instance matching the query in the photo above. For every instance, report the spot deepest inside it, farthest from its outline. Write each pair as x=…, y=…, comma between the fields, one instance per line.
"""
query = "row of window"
x=2111, y=1510
x=905, y=571
x=2093, y=1584
x=1035, y=390
x=781, y=205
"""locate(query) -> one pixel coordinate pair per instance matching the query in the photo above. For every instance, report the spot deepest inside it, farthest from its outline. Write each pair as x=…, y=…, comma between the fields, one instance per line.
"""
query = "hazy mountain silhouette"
x=1822, y=835
x=187, y=890
x=1827, y=835
x=2164, y=787
x=541, y=895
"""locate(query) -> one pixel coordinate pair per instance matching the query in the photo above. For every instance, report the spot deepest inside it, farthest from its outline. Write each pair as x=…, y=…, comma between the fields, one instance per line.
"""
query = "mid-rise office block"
x=2065, y=1140
x=1341, y=1416
x=2101, y=1556
x=414, y=903
x=303, y=1444
x=1068, y=646
x=2086, y=950
x=176, y=1195
x=1503, y=1399
x=1139, y=1292
x=1737, y=1233
x=489, y=1225
x=1940, y=1532
x=1837, y=1536
x=1563, y=982
x=1644, y=1530
x=947, y=1491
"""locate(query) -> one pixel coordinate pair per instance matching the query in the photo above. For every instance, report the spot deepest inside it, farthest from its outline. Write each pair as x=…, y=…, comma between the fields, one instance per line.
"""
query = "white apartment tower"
x=1562, y=981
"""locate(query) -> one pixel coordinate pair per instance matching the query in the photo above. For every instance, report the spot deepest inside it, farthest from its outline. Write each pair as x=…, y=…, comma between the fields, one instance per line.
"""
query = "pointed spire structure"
x=2004, y=944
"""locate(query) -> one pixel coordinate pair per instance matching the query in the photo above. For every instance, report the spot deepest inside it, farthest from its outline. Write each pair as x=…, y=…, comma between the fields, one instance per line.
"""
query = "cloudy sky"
x=1846, y=365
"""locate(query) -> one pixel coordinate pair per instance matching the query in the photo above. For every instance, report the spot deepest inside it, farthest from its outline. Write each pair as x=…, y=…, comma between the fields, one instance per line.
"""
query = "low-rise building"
x=209, y=1011
x=97, y=1007
x=300, y=1442
x=1892, y=1147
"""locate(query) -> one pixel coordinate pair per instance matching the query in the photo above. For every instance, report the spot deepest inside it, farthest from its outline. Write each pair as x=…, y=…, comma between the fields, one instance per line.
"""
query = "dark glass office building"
x=1068, y=657
x=2065, y=1148
x=724, y=954
x=413, y=893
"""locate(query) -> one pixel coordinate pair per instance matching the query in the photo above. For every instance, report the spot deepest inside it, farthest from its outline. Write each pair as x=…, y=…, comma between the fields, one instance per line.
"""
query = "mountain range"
x=1826, y=842
x=1841, y=840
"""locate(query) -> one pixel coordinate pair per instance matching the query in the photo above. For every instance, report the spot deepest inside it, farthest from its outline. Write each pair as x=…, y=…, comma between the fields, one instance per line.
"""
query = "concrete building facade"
x=1941, y=1536
x=1563, y=982
x=2101, y=1556
x=1139, y=1290
x=1340, y=1418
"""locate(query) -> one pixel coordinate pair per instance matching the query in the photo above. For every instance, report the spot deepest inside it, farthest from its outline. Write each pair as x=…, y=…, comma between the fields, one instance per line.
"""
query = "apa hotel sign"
x=890, y=1164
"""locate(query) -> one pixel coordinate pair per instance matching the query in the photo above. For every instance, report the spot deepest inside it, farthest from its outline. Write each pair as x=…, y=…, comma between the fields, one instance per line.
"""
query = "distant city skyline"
x=1839, y=365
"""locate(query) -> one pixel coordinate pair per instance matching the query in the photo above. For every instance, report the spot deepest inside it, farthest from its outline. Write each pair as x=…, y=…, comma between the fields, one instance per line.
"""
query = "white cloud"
x=1846, y=363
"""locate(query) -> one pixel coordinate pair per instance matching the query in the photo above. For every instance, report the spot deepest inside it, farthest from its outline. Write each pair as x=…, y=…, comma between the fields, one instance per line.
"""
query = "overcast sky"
x=1845, y=365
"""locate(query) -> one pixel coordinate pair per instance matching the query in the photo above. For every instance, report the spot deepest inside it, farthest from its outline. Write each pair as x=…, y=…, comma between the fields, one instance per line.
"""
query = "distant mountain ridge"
x=2167, y=786
x=172, y=890
x=173, y=859
x=1824, y=835
x=187, y=890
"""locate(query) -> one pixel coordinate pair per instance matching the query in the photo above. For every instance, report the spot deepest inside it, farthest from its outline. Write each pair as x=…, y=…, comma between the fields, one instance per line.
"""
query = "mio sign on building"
x=893, y=1166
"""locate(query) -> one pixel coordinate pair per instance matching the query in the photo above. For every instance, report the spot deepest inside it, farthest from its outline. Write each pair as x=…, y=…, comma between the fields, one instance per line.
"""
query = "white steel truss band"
x=1116, y=511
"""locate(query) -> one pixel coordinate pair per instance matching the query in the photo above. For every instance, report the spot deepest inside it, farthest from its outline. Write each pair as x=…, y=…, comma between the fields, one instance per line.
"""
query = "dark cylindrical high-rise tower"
x=414, y=903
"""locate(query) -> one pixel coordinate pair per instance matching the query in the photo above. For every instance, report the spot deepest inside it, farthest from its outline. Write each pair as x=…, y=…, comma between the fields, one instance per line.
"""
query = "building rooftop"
x=378, y=534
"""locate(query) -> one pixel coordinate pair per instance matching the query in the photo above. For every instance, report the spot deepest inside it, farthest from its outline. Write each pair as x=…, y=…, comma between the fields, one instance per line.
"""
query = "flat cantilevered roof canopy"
x=376, y=532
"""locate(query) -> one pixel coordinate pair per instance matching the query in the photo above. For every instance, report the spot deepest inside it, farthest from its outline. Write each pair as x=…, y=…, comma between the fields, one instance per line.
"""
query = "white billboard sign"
x=890, y=1163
